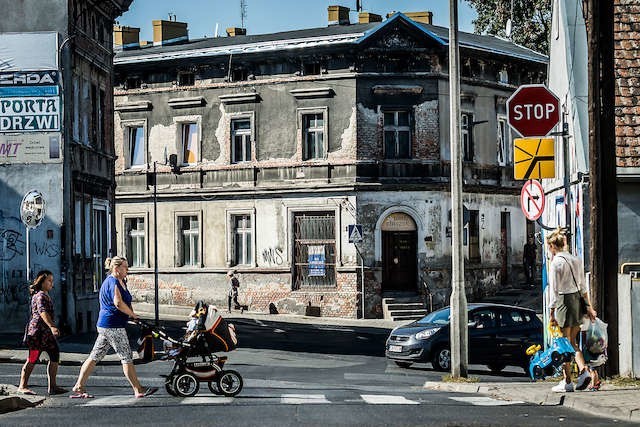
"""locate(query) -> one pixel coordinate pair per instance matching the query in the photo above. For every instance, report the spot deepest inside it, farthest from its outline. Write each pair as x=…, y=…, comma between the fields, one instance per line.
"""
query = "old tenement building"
x=56, y=139
x=266, y=148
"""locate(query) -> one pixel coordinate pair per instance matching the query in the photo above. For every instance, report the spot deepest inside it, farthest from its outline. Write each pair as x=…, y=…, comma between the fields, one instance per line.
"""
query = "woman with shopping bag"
x=569, y=304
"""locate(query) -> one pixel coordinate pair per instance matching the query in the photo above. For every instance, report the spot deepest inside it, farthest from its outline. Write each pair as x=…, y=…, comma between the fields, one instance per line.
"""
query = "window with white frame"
x=466, y=135
x=137, y=153
x=501, y=141
x=242, y=239
x=189, y=143
x=313, y=136
x=188, y=240
x=397, y=135
x=136, y=241
x=241, y=140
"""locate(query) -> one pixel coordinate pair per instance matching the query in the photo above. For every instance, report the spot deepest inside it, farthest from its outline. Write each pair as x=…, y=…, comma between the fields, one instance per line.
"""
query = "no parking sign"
x=532, y=199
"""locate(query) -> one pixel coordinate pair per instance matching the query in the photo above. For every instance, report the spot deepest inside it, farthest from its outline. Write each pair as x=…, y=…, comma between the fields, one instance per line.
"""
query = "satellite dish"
x=32, y=209
x=508, y=29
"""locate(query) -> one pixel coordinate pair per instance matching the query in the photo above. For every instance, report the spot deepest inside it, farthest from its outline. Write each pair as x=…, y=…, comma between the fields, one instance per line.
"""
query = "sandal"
x=147, y=392
x=26, y=392
x=83, y=395
x=58, y=390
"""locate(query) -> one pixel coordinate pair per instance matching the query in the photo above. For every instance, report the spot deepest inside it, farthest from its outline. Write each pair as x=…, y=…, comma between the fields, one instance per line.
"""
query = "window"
x=466, y=135
x=189, y=143
x=188, y=240
x=132, y=83
x=312, y=69
x=315, y=249
x=101, y=245
x=242, y=240
x=483, y=319
x=397, y=135
x=137, y=151
x=241, y=137
x=473, y=230
x=135, y=242
x=512, y=318
x=313, y=135
x=186, y=79
x=239, y=75
x=501, y=141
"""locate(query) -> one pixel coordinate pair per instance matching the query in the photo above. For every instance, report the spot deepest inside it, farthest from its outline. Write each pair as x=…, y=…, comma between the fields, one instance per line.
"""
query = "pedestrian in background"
x=529, y=260
x=40, y=335
x=566, y=278
x=115, y=311
x=234, y=284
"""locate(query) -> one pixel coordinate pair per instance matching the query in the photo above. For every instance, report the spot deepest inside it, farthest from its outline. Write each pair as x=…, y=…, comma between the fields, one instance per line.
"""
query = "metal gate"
x=314, y=250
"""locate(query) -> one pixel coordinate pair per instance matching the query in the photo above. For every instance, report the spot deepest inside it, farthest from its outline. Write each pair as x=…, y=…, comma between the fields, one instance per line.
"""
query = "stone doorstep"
x=15, y=401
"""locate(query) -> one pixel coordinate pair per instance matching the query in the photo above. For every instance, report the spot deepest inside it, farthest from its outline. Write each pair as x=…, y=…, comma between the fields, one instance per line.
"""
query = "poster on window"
x=316, y=260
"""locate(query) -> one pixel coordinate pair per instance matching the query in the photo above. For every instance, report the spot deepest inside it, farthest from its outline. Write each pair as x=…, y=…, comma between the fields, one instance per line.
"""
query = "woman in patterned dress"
x=41, y=334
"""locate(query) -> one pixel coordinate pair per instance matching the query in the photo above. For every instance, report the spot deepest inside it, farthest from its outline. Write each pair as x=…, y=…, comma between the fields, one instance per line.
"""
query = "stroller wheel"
x=230, y=383
x=186, y=385
x=168, y=385
x=213, y=387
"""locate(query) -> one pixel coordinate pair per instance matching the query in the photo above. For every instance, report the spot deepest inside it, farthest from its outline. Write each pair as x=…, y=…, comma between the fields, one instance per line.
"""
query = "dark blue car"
x=499, y=335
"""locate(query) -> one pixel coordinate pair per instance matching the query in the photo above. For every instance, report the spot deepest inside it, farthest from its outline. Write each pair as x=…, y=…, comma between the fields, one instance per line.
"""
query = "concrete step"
x=397, y=318
x=405, y=306
x=420, y=313
x=402, y=300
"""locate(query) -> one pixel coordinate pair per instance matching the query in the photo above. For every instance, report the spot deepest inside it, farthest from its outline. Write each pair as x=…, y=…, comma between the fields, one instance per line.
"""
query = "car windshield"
x=440, y=317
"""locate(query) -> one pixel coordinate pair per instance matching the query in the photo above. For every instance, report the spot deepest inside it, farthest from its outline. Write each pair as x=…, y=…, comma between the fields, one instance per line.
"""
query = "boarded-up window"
x=315, y=250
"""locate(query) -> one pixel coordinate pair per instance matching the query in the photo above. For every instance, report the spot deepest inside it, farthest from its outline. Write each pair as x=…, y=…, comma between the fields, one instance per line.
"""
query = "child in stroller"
x=193, y=355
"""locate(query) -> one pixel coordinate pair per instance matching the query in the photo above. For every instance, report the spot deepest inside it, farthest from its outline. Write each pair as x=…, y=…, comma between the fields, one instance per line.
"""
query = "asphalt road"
x=295, y=375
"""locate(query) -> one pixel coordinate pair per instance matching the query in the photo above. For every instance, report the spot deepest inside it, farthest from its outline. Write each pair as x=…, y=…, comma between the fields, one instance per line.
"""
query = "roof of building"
x=324, y=36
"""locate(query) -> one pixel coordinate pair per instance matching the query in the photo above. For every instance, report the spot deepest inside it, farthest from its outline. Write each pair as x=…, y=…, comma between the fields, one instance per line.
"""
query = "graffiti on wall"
x=11, y=244
x=50, y=250
x=273, y=256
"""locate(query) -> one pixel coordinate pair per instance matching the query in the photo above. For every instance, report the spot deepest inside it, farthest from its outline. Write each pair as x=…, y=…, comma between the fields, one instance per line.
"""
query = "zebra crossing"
x=286, y=399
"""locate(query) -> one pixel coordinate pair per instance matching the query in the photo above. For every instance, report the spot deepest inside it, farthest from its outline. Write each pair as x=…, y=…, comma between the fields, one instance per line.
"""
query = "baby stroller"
x=193, y=355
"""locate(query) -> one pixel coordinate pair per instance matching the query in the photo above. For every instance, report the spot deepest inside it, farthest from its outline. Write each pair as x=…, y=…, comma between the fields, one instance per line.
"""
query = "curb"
x=13, y=402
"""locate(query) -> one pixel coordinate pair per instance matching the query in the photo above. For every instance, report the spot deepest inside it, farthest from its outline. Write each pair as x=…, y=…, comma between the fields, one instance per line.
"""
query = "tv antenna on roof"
x=243, y=11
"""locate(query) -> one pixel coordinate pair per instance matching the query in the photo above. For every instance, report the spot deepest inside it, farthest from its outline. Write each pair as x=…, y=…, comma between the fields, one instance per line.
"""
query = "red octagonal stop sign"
x=533, y=110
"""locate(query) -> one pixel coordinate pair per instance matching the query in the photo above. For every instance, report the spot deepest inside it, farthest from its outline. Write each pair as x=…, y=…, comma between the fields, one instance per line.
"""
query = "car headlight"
x=423, y=335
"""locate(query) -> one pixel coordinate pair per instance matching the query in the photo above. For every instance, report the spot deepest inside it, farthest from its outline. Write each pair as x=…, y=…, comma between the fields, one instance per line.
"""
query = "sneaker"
x=562, y=387
x=584, y=379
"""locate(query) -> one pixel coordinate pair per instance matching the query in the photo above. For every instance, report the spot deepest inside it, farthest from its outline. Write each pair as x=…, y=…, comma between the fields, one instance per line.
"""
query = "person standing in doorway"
x=40, y=335
x=566, y=278
x=529, y=260
x=234, y=284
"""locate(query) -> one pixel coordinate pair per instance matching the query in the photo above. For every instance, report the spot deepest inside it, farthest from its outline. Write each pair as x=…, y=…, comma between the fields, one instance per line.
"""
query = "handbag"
x=583, y=301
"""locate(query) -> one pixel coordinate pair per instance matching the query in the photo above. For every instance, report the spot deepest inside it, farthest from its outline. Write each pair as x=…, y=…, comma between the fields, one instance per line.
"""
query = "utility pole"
x=458, y=296
x=155, y=246
x=603, y=224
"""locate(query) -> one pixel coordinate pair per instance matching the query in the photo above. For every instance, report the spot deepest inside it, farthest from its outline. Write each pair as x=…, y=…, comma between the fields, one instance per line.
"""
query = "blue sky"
x=269, y=16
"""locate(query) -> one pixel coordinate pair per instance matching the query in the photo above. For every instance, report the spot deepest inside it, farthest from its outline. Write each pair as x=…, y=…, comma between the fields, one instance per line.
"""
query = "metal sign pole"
x=28, y=257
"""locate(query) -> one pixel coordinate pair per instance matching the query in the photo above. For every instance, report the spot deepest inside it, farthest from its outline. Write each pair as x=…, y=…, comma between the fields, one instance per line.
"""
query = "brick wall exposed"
x=627, y=68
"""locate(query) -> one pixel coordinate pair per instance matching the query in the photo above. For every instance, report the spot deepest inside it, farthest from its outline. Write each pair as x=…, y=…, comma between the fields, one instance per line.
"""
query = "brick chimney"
x=169, y=32
x=235, y=31
x=126, y=37
x=338, y=15
x=424, y=17
x=367, y=18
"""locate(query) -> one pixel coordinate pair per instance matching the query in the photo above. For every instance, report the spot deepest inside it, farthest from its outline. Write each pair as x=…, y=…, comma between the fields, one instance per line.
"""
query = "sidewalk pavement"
x=611, y=401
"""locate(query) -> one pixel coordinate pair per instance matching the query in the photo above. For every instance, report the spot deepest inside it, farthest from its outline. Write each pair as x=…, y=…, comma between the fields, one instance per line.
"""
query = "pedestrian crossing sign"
x=355, y=233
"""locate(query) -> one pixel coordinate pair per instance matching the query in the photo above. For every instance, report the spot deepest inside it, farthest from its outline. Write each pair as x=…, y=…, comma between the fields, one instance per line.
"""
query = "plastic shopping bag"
x=596, y=336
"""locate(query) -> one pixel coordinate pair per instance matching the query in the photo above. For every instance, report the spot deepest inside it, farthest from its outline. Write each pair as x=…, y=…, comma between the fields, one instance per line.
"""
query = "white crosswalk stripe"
x=486, y=401
x=303, y=399
x=109, y=401
x=206, y=400
x=379, y=399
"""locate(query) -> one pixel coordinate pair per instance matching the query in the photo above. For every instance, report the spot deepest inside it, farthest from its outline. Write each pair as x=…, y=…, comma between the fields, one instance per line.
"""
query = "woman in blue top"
x=115, y=311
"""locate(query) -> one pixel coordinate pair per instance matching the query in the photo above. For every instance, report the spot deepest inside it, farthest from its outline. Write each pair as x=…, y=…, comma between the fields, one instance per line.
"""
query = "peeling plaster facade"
x=280, y=217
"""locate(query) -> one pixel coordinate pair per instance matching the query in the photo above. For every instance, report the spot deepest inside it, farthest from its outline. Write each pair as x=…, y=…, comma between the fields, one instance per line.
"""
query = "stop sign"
x=533, y=110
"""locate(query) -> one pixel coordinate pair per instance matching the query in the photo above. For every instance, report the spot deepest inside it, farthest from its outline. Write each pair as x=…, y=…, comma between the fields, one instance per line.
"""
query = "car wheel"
x=442, y=359
x=403, y=364
x=556, y=357
x=537, y=372
x=496, y=366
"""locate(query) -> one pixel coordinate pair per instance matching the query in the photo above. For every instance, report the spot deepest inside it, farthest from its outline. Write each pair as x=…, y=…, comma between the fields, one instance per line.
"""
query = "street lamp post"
x=458, y=296
x=155, y=244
